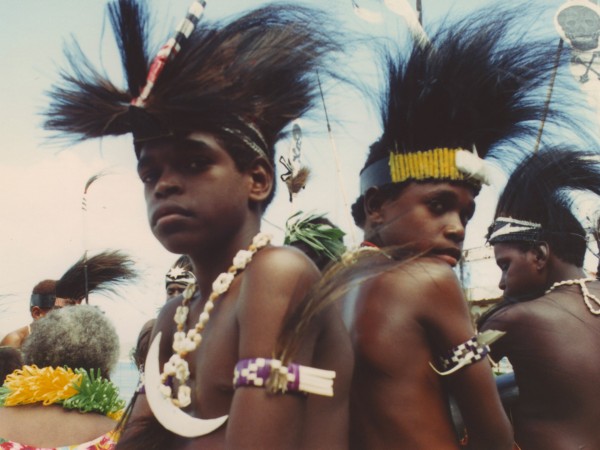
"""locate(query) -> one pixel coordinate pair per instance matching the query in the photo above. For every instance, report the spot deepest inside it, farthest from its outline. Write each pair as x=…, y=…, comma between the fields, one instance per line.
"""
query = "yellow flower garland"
x=72, y=389
x=47, y=385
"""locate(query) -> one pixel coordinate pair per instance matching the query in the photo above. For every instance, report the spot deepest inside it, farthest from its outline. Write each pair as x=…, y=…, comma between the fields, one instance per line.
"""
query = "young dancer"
x=205, y=115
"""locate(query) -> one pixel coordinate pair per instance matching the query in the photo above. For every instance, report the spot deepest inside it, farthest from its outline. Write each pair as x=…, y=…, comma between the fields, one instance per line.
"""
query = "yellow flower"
x=48, y=385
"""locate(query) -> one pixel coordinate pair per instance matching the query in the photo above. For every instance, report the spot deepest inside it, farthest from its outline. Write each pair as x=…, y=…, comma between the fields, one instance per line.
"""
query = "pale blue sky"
x=41, y=226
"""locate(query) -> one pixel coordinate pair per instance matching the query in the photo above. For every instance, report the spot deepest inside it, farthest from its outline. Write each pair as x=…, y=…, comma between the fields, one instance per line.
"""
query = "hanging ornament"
x=296, y=175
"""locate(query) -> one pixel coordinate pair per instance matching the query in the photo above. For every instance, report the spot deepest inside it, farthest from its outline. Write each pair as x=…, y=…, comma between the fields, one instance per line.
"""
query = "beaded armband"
x=469, y=352
x=272, y=375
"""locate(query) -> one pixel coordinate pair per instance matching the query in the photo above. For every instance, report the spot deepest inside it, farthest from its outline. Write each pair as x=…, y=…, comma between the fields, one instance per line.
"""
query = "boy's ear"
x=36, y=312
x=541, y=253
x=373, y=199
x=261, y=180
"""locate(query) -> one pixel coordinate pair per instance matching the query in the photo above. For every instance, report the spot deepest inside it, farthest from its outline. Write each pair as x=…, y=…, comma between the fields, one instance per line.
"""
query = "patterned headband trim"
x=443, y=164
x=251, y=144
x=170, y=50
x=179, y=275
x=509, y=229
x=43, y=300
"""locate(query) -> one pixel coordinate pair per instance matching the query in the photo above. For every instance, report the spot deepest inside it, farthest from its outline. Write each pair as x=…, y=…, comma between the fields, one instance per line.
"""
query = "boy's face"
x=426, y=217
x=175, y=289
x=520, y=277
x=195, y=195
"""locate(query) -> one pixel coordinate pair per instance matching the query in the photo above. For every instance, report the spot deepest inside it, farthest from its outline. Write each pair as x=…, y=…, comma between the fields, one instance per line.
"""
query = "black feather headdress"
x=103, y=272
x=247, y=78
x=537, y=202
x=472, y=86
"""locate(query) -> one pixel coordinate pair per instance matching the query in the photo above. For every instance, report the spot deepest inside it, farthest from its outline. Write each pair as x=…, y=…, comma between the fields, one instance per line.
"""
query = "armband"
x=272, y=375
x=469, y=352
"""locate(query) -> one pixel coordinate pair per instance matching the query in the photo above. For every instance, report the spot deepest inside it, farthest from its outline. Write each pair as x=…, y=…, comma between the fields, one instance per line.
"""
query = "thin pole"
x=337, y=164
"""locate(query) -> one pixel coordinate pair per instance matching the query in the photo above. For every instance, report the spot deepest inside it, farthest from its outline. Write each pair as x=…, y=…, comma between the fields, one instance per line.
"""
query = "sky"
x=43, y=229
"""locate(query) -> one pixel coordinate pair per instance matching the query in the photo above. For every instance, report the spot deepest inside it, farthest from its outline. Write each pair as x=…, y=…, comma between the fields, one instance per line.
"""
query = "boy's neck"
x=217, y=258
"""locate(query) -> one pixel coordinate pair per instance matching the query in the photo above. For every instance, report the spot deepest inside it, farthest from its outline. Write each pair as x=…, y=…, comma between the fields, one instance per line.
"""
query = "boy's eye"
x=196, y=163
x=437, y=206
x=147, y=176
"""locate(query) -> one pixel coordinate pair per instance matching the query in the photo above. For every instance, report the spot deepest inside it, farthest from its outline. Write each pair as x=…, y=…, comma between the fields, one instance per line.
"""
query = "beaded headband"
x=508, y=229
x=438, y=164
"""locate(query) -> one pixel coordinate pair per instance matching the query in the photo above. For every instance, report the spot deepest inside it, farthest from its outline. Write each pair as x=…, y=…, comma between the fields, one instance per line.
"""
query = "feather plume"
x=539, y=188
x=259, y=69
x=105, y=272
x=366, y=14
x=404, y=10
x=472, y=85
x=295, y=183
x=130, y=21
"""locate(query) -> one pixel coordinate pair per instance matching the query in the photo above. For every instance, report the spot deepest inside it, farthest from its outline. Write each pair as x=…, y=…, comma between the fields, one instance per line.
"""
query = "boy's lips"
x=167, y=211
x=449, y=255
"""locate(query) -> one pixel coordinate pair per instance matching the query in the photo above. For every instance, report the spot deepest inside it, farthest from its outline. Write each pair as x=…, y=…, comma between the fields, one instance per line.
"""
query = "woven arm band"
x=461, y=356
x=272, y=375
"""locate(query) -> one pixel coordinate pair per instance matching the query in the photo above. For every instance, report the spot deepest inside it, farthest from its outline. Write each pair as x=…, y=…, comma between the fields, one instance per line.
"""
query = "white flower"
x=181, y=314
x=203, y=319
x=165, y=390
x=222, y=283
x=191, y=333
x=184, y=344
x=188, y=293
x=184, y=395
x=261, y=239
x=178, y=339
x=182, y=371
x=171, y=366
x=241, y=260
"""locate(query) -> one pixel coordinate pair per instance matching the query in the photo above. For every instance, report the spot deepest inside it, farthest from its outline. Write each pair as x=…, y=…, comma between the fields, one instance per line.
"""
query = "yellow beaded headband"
x=438, y=164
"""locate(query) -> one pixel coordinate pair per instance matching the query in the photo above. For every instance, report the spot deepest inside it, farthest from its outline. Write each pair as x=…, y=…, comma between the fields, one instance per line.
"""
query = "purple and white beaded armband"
x=272, y=375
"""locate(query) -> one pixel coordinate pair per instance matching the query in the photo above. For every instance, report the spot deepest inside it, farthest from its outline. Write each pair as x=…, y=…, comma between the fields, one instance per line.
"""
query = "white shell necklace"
x=587, y=297
x=184, y=343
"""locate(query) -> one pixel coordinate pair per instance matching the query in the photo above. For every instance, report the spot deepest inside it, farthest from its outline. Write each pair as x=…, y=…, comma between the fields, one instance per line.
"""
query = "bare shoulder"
x=14, y=338
x=282, y=272
x=419, y=279
x=276, y=281
x=282, y=261
x=513, y=317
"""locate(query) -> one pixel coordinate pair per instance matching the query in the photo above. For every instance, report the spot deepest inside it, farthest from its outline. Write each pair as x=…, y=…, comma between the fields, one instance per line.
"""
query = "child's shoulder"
x=277, y=261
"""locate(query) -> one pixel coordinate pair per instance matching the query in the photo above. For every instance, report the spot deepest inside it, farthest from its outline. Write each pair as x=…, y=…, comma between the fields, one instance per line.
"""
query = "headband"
x=439, y=164
x=179, y=275
x=45, y=301
x=508, y=229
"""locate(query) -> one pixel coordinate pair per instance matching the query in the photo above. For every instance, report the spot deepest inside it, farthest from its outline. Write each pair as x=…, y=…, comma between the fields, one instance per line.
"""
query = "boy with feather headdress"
x=205, y=115
x=551, y=306
x=103, y=272
x=450, y=101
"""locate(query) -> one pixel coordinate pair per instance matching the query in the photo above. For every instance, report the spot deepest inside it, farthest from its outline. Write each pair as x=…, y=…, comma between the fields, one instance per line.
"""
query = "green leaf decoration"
x=323, y=238
x=95, y=394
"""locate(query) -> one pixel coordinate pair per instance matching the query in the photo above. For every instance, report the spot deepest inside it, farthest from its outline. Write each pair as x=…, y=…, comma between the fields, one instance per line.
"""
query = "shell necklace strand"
x=184, y=343
x=587, y=297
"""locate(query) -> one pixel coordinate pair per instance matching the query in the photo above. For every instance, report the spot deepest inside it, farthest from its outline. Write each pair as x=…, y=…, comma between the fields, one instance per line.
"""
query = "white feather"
x=404, y=10
x=367, y=15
